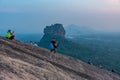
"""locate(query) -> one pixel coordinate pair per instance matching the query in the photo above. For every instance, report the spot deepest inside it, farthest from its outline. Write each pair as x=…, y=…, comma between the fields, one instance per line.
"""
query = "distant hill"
x=79, y=30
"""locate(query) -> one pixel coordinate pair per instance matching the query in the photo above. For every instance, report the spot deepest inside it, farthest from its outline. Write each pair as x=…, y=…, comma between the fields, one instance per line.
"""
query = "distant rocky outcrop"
x=56, y=29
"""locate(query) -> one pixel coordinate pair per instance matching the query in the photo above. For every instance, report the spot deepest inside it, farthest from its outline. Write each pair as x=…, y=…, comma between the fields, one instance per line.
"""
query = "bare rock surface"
x=56, y=29
x=21, y=61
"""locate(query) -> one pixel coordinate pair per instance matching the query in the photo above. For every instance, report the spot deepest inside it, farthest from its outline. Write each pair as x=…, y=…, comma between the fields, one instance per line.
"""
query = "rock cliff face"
x=21, y=61
x=56, y=29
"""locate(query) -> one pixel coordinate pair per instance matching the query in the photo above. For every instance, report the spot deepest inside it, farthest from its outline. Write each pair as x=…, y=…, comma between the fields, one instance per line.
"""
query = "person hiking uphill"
x=53, y=48
x=10, y=35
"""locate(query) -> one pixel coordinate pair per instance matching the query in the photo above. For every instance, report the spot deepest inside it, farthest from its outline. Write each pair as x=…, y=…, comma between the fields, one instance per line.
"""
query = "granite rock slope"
x=21, y=61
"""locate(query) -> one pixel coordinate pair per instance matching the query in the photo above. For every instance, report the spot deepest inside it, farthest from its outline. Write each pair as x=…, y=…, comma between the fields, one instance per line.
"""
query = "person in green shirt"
x=10, y=35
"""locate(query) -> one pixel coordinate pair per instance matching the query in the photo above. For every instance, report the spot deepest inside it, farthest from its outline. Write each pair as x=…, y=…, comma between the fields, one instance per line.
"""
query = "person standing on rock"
x=53, y=48
x=89, y=62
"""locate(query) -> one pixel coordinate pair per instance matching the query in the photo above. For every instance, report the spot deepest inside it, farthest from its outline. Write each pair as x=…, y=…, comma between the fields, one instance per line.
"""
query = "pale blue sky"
x=31, y=16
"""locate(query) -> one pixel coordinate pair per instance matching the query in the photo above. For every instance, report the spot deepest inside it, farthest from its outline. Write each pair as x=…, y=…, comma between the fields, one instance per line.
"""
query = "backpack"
x=51, y=46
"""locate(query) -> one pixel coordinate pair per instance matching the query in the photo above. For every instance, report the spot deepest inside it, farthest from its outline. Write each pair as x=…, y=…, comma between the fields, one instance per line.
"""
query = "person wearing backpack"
x=53, y=48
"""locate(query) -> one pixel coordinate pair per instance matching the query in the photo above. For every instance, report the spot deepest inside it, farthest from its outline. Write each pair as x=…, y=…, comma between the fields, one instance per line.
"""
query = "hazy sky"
x=31, y=16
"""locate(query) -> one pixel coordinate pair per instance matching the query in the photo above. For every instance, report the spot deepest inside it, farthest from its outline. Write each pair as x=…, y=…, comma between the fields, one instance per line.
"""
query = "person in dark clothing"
x=113, y=70
x=89, y=62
